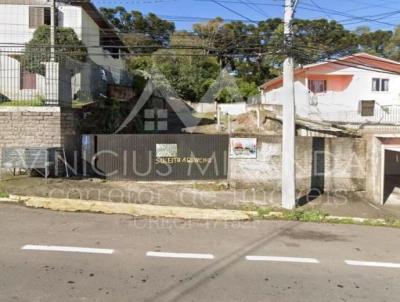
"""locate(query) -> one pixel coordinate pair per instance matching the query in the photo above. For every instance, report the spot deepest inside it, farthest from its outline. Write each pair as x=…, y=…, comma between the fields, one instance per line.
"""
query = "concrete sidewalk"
x=200, y=195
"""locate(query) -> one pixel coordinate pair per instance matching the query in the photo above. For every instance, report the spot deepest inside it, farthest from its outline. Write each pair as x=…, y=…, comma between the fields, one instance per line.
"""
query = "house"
x=19, y=20
x=356, y=89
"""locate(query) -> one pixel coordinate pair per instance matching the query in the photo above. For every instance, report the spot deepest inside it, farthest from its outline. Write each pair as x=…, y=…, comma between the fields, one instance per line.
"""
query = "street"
x=54, y=256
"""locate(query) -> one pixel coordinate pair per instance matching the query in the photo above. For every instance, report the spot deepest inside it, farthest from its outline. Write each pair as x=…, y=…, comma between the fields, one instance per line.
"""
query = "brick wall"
x=330, y=163
x=35, y=126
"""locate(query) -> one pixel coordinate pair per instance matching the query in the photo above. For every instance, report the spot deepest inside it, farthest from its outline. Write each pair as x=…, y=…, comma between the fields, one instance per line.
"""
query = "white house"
x=18, y=21
x=360, y=88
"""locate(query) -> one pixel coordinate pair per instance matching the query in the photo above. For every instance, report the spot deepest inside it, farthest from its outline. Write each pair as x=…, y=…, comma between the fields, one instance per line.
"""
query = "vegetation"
x=252, y=53
x=15, y=103
x=4, y=195
x=318, y=216
x=106, y=115
x=143, y=33
x=38, y=48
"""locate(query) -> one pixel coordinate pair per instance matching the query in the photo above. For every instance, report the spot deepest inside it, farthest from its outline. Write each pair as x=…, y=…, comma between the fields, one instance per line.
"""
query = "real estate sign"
x=240, y=147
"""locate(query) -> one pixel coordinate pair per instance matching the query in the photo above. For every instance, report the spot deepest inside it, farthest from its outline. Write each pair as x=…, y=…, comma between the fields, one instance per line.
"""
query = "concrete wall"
x=14, y=25
x=329, y=163
x=203, y=107
x=35, y=126
x=233, y=108
x=374, y=168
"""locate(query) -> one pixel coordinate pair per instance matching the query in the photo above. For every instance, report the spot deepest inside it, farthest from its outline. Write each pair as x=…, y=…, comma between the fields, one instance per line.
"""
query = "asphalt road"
x=50, y=256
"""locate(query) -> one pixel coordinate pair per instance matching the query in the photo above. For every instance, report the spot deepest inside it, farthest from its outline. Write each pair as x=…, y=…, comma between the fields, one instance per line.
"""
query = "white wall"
x=14, y=25
x=334, y=104
x=233, y=108
x=89, y=32
x=71, y=16
x=10, y=81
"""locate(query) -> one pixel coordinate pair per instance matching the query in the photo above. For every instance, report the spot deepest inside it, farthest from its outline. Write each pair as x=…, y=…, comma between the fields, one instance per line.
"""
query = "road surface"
x=52, y=256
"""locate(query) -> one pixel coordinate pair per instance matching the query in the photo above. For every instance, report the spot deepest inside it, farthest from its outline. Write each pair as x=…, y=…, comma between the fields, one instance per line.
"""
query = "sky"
x=377, y=14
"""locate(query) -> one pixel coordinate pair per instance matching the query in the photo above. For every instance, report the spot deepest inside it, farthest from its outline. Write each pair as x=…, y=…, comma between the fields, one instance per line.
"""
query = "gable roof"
x=99, y=19
x=359, y=60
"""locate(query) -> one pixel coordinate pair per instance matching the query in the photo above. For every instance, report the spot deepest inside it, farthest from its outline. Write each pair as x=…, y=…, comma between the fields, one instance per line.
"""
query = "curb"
x=137, y=210
x=335, y=219
x=145, y=210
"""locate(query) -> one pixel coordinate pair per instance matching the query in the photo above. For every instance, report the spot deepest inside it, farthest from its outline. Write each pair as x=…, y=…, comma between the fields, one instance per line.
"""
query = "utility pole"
x=288, y=114
x=53, y=30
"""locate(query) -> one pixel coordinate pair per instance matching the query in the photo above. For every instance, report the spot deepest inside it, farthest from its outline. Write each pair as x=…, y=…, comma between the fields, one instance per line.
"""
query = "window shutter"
x=385, y=85
x=36, y=16
x=367, y=108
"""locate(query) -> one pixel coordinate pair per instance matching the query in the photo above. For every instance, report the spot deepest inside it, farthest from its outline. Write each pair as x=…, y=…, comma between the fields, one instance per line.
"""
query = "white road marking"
x=282, y=259
x=372, y=263
x=54, y=248
x=179, y=255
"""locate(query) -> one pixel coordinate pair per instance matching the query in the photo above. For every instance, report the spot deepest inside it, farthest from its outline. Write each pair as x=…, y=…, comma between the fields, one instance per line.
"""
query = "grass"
x=4, y=195
x=211, y=186
x=77, y=104
x=319, y=217
x=16, y=103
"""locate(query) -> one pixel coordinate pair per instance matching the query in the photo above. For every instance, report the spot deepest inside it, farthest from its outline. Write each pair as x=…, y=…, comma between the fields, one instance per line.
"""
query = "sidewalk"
x=199, y=195
x=214, y=195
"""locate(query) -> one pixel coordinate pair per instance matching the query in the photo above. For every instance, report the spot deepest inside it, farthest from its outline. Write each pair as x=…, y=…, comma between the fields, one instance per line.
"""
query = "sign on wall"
x=166, y=150
x=240, y=147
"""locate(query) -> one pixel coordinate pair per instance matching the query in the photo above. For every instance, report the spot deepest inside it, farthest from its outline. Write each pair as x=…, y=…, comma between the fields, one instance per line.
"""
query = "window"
x=317, y=86
x=380, y=84
x=367, y=108
x=28, y=80
x=39, y=16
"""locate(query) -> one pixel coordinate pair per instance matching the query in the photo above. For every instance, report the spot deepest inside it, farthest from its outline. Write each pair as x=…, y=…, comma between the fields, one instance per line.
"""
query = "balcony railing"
x=387, y=115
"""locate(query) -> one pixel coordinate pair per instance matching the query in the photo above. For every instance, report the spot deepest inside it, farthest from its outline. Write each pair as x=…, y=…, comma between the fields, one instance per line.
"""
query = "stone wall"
x=36, y=126
x=331, y=164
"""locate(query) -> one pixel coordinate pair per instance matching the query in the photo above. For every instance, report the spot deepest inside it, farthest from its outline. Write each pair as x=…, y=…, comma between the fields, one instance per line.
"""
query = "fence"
x=156, y=157
x=26, y=81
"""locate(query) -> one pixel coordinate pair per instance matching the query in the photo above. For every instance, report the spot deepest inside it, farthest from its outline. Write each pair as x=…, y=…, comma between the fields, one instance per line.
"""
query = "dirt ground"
x=191, y=194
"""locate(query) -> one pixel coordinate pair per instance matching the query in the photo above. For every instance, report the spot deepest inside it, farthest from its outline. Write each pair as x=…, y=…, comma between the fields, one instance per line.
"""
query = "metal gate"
x=157, y=156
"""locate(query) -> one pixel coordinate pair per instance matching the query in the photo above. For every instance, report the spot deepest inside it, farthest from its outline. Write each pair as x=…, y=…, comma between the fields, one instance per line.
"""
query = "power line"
x=249, y=2
x=343, y=14
x=323, y=10
x=233, y=11
x=254, y=8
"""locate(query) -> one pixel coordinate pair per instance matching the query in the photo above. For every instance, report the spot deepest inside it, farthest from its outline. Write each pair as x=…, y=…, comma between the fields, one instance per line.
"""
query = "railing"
x=254, y=100
x=25, y=81
x=388, y=115
x=316, y=107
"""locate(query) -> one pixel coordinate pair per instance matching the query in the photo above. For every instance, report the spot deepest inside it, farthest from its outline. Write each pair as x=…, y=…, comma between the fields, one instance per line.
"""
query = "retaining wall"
x=36, y=126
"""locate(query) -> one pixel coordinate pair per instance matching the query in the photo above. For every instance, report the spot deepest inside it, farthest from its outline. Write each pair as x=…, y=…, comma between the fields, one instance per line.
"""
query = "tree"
x=317, y=40
x=374, y=42
x=38, y=49
x=150, y=32
x=392, y=47
x=207, y=32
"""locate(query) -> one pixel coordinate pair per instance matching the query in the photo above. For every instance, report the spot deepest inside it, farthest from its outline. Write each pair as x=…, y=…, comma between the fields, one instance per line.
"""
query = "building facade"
x=357, y=89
